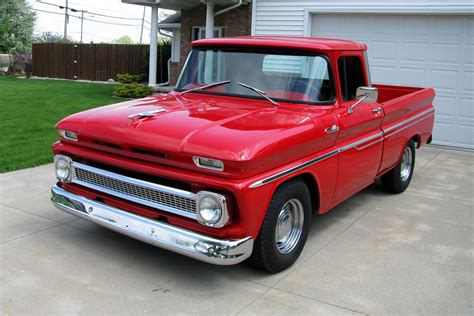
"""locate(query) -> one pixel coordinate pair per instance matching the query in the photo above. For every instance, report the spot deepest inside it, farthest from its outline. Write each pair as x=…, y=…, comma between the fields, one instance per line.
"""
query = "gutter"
x=229, y=8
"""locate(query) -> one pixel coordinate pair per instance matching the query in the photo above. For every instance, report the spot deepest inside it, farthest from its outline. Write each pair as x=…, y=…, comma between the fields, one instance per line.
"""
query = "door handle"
x=377, y=110
x=332, y=129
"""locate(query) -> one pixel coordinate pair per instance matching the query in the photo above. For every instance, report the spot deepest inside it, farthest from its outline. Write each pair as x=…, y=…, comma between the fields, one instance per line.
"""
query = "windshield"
x=293, y=77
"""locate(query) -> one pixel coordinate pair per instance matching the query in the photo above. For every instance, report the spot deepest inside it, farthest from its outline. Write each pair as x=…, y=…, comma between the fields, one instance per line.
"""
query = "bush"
x=128, y=78
x=132, y=90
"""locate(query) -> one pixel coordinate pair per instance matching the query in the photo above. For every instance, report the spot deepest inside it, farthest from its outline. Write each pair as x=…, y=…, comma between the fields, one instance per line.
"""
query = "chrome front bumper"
x=163, y=235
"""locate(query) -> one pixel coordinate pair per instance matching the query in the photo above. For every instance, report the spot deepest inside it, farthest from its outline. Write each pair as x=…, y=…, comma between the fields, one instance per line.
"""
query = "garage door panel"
x=444, y=79
x=354, y=23
x=382, y=74
x=407, y=47
x=446, y=53
x=418, y=50
x=469, y=55
x=468, y=82
x=392, y=23
x=384, y=50
x=466, y=135
x=411, y=76
x=466, y=112
x=443, y=131
x=448, y=25
x=411, y=24
x=445, y=108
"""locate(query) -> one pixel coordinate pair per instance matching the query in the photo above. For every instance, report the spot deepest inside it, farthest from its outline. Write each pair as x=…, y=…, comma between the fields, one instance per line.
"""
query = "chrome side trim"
x=391, y=128
x=369, y=144
x=361, y=141
x=405, y=127
x=136, y=182
x=293, y=169
x=160, y=234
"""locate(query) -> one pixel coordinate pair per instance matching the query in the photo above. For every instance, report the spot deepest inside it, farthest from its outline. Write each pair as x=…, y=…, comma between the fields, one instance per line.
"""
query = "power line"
x=88, y=19
x=102, y=9
x=94, y=13
x=70, y=15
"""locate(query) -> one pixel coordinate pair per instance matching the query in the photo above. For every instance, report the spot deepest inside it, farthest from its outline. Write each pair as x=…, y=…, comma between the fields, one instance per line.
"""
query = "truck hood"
x=249, y=136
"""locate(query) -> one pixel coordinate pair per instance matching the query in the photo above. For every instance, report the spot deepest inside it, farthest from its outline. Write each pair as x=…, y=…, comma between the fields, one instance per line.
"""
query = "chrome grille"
x=142, y=192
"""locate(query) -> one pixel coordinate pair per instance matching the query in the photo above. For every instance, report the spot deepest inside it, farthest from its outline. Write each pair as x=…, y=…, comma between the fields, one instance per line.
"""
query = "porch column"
x=153, y=47
x=209, y=19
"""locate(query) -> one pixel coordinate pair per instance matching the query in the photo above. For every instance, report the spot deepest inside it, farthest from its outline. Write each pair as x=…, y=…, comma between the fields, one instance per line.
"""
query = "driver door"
x=360, y=137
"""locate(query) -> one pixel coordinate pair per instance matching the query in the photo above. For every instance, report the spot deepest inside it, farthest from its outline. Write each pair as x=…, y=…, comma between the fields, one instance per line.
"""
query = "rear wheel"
x=398, y=179
x=284, y=229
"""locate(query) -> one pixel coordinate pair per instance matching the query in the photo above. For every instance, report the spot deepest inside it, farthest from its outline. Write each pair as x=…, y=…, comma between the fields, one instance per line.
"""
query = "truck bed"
x=407, y=111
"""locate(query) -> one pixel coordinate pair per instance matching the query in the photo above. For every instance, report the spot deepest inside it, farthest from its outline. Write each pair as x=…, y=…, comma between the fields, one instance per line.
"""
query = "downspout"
x=229, y=8
x=168, y=63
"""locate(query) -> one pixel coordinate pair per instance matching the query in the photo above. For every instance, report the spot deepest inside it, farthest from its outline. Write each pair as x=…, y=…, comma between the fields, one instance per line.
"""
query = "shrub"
x=128, y=78
x=132, y=90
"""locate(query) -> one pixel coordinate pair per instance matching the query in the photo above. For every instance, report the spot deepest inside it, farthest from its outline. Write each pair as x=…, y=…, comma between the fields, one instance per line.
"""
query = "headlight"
x=211, y=209
x=63, y=166
x=68, y=135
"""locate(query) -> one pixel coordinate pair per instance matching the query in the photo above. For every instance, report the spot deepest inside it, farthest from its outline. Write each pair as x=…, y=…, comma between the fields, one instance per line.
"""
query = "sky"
x=125, y=19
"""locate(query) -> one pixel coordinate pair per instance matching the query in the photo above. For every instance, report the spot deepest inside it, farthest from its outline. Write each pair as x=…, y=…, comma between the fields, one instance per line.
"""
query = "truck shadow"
x=198, y=275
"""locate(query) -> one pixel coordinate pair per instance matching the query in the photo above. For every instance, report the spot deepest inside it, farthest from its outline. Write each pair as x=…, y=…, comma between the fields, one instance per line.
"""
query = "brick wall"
x=236, y=22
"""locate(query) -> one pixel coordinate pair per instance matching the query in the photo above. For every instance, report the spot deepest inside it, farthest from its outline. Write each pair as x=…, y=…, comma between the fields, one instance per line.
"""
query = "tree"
x=124, y=40
x=50, y=37
x=16, y=26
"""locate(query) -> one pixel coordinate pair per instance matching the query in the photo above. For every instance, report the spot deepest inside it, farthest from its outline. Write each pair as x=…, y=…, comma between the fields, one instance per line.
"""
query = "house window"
x=199, y=32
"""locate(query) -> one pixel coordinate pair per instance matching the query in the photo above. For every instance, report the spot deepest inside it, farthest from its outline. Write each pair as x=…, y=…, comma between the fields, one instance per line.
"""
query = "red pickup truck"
x=259, y=135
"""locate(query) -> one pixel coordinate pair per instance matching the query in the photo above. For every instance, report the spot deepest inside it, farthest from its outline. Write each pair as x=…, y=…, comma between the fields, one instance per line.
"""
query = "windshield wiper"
x=214, y=84
x=262, y=93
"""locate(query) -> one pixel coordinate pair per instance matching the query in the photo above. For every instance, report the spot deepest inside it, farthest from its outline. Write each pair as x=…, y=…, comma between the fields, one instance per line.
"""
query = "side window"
x=351, y=76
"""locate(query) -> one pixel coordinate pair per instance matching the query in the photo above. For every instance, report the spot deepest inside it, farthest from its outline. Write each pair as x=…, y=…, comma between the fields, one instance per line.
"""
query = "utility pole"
x=143, y=22
x=82, y=23
x=82, y=19
x=66, y=19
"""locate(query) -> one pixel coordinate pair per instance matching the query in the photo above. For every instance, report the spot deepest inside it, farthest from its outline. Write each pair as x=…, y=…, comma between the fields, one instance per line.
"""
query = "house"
x=421, y=42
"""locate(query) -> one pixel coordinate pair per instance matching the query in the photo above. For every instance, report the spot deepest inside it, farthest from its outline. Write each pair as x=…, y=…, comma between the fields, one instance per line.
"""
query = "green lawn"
x=29, y=109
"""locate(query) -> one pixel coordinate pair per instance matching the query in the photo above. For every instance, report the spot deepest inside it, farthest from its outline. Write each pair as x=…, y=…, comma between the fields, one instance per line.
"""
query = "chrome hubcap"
x=406, y=164
x=289, y=226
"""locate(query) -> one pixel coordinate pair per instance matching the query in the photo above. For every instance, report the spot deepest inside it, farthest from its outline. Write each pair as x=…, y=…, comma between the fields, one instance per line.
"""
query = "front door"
x=360, y=138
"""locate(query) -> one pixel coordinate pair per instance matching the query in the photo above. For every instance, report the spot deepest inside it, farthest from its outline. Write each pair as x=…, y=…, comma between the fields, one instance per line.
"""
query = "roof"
x=171, y=22
x=177, y=4
x=289, y=42
x=175, y=18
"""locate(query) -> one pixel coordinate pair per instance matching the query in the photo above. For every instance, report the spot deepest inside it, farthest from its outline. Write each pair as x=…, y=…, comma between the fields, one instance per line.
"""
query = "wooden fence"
x=98, y=62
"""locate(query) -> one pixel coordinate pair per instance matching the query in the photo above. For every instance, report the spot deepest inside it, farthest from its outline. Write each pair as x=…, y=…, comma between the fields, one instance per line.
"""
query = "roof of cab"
x=288, y=42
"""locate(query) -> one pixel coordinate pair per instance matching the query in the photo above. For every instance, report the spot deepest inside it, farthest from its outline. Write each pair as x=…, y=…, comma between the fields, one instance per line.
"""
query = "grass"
x=29, y=109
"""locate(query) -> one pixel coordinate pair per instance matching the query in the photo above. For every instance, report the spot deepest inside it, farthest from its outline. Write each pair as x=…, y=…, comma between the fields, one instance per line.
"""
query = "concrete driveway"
x=374, y=254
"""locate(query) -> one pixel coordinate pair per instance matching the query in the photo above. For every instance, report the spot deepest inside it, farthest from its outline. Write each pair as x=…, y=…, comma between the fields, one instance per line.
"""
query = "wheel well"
x=313, y=188
x=417, y=140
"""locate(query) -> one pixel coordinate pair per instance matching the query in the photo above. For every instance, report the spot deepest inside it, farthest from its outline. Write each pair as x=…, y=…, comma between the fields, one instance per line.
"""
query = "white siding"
x=176, y=45
x=285, y=17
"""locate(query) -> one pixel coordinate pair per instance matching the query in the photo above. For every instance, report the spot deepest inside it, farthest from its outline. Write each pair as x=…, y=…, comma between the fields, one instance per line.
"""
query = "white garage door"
x=425, y=51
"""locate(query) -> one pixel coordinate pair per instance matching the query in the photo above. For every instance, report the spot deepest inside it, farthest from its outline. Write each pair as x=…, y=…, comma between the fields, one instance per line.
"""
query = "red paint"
x=253, y=138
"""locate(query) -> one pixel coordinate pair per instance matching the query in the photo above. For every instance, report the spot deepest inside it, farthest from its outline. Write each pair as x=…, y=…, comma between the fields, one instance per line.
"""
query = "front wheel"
x=284, y=229
x=398, y=179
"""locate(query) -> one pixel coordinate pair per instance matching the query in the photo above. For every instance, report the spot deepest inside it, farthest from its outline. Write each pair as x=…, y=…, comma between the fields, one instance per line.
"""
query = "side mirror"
x=368, y=94
x=365, y=94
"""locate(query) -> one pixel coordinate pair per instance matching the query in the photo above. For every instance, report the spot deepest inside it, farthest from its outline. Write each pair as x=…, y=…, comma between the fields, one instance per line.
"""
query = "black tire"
x=398, y=179
x=288, y=198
